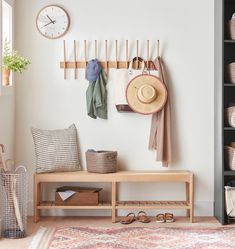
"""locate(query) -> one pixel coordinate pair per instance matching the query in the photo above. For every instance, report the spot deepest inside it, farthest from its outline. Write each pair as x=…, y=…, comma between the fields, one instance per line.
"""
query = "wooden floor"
x=95, y=221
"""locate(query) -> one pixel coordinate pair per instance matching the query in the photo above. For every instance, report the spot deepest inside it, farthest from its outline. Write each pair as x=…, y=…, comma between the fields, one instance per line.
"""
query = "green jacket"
x=96, y=97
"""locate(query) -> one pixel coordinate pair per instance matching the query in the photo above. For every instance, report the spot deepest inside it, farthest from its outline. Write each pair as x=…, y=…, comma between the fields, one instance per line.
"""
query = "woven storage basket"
x=230, y=200
x=231, y=29
x=101, y=161
x=230, y=72
x=230, y=116
x=229, y=156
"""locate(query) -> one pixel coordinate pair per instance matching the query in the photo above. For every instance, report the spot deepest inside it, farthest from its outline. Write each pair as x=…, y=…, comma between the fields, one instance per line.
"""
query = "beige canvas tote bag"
x=121, y=79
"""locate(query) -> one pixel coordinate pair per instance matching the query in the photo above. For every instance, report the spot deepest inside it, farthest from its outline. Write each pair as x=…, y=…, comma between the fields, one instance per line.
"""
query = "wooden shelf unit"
x=224, y=91
x=229, y=84
x=229, y=41
x=185, y=177
x=229, y=173
x=229, y=128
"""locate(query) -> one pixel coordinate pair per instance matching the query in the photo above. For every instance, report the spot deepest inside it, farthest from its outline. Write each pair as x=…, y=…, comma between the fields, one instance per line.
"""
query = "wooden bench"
x=185, y=177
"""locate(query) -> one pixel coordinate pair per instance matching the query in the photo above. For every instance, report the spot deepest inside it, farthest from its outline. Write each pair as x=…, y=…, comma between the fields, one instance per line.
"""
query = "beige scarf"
x=160, y=132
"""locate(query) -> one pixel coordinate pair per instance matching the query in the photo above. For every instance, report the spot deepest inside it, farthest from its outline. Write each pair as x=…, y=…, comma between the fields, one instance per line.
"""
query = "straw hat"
x=146, y=94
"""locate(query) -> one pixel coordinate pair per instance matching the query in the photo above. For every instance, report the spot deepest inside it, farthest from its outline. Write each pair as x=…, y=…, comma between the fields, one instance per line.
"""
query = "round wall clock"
x=52, y=21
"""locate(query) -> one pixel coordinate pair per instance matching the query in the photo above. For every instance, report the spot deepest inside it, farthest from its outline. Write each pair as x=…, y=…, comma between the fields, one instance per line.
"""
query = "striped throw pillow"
x=56, y=150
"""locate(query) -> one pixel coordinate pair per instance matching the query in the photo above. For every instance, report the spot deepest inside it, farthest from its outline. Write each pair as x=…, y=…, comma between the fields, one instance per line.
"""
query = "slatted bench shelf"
x=153, y=205
x=122, y=205
x=185, y=177
x=51, y=205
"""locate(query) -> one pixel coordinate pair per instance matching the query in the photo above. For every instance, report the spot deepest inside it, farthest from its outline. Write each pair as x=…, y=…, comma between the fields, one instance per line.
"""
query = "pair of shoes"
x=167, y=217
x=141, y=217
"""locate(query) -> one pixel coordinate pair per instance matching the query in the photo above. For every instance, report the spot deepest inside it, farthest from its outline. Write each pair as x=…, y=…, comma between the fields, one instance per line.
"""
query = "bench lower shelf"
x=51, y=205
x=123, y=205
x=152, y=205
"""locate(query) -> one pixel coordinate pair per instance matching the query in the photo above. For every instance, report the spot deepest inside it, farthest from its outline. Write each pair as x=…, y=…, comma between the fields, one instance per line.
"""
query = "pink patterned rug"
x=134, y=238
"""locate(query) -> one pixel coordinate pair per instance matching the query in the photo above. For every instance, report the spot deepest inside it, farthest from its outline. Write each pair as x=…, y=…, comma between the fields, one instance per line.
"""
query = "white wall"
x=7, y=110
x=7, y=121
x=45, y=100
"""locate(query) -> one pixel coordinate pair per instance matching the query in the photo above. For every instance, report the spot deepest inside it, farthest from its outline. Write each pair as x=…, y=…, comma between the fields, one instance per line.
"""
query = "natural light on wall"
x=6, y=21
x=7, y=25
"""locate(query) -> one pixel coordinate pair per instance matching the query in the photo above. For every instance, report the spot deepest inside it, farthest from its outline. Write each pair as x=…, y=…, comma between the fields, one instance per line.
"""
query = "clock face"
x=52, y=21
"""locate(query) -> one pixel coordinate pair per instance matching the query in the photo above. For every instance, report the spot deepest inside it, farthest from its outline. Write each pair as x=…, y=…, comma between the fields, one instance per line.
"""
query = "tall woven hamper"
x=14, y=203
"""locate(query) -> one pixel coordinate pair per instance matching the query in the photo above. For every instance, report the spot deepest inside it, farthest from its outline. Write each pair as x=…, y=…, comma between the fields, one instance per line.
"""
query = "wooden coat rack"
x=106, y=64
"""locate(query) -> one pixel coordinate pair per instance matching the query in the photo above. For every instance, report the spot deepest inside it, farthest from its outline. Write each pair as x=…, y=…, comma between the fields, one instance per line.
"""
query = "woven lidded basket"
x=229, y=156
x=231, y=29
x=101, y=161
x=230, y=116
x=230, y=72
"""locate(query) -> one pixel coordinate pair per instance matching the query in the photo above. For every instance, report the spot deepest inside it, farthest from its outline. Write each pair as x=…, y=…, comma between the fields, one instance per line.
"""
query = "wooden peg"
x=96, y=50
x=106, y=56
x=75, y=61
x=137, y=54
x=127, y=55
x=147, y=54
x=158, y=48
x=116, y=54
x=64, y=61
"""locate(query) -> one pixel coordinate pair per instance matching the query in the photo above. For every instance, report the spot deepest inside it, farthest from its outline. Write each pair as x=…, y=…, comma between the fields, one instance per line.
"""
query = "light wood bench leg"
x=37, y=199
x=187, y=197
x=114, y=196
x=191, y=196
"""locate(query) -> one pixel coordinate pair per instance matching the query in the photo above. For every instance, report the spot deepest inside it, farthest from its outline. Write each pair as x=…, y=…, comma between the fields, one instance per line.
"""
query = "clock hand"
x=51, y=19
x=46, y=25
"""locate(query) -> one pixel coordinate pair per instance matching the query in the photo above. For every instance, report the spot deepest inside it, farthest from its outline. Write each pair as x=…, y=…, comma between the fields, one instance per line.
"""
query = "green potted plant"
x=12, y=61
